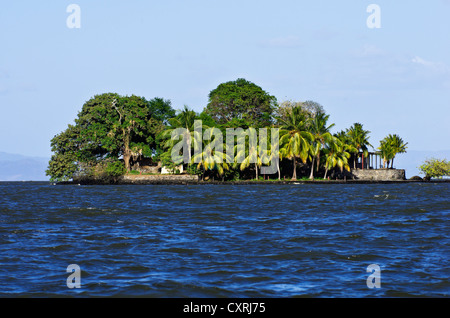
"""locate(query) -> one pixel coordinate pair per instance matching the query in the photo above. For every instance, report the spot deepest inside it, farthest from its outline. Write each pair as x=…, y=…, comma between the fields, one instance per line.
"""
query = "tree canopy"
x=113, y=135
x=108, y=127
x=241, y=100
x=390, y=146
x=435, y=168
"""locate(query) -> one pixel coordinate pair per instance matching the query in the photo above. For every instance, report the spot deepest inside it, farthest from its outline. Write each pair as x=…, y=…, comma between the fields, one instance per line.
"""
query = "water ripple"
x=224, y=240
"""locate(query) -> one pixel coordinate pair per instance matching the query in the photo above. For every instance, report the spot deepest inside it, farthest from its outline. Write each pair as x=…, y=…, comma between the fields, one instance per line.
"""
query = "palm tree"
x=345, y=140
x=249, y=151
x=273, y=153
x=321, y=135
x=399, y=146
x=314, y=149
x=359, y=139
x=336, y=155
x=295, y=137
x=386, y=152
x=390, y=146
x=212, y=156
x=186, y=120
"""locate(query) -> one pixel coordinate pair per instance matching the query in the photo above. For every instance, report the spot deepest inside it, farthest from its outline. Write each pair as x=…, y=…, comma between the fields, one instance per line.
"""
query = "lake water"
x=225, y=240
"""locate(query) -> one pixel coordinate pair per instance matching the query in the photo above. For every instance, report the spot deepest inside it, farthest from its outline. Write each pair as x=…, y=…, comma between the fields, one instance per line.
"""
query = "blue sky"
x=393, y=80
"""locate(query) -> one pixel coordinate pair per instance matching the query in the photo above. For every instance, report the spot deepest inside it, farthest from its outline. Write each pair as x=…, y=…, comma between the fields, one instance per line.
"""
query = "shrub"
x=435, y=168
x=115, y=169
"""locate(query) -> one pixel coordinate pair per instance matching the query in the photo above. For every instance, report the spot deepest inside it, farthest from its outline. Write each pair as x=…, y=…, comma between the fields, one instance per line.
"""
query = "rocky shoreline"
x=359, y=177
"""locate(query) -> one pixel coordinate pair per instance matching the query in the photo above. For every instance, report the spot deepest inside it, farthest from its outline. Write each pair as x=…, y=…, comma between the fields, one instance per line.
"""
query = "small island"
x=131, y=140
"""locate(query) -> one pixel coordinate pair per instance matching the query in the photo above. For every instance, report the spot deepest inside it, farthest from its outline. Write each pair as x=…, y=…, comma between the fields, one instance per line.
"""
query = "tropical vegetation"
x=114, y=135
x=435, y=168
x=390, y=146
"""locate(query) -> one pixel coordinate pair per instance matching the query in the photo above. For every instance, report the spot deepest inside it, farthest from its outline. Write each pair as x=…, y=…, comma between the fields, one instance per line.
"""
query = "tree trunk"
x=311, y=176
x=188, y=141
x=362, y=161
x=126, y=151
x=326, y=172
x=126, y=159
x=256, y=168
x=318, y=162
x=294, y=175
x=392, y=163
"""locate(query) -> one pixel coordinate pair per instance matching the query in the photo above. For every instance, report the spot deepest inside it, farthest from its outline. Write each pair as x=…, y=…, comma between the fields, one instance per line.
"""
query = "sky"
x=394, y=79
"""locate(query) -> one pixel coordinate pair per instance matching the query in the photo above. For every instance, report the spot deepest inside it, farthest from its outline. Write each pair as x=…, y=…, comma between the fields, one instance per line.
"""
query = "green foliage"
x=112, y=133
x=166, y=161
x=96, y=128
x=321, y=136
x=115, y=169
x=193, y=170
x=435, y=168
x=295, y=137
x=358, y=140
x=359, y=137
x=63, y=164
x=336, y=156
x=61, y=167
x=161, y=110
x=252, y=152
x=105, y=171
x=125, y=126
x=109, y=126
x=207, y=120
x=243, y=123
x=390, y=146
x=186, y=121
x=231, y=174
x=212, y=157
x=241, y=99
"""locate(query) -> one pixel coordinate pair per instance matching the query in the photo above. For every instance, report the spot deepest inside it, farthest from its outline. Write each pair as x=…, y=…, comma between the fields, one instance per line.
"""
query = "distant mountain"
x=22, y=168
x=411, y=160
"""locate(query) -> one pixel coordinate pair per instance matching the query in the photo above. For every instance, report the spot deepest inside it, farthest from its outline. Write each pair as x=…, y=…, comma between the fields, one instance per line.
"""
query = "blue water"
x=225, y=240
